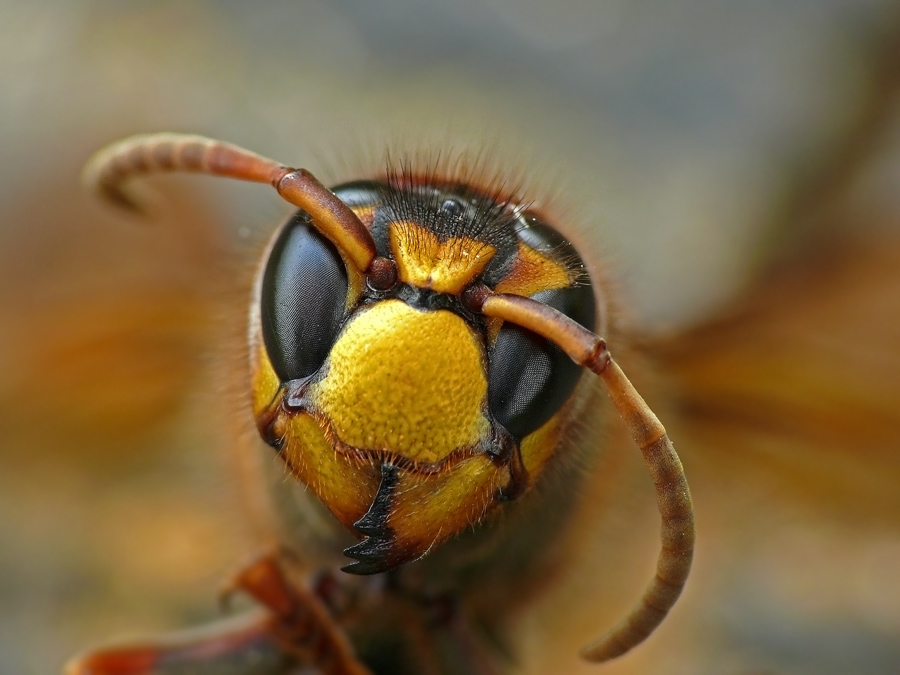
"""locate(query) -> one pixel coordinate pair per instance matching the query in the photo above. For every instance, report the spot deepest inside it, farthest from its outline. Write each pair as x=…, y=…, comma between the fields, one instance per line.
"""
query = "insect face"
x=410, y=416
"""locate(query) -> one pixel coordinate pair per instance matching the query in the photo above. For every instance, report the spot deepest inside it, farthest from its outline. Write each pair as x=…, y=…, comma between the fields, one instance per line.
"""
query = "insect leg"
x=295, y=630
x=246, y=645
x=304, y=627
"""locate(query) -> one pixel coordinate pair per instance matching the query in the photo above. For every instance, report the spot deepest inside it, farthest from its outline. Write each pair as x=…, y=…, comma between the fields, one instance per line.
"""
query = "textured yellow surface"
x=265, y=382
x=538, y=447
x=345, y=486
x=426, y=262
x=426, y=510
x=533, y=272
x=407, y=382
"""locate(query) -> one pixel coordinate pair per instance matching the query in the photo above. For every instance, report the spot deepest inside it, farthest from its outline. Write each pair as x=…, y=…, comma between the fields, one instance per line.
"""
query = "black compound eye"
x=529, y=377
x=304, y=293
x=360, y=193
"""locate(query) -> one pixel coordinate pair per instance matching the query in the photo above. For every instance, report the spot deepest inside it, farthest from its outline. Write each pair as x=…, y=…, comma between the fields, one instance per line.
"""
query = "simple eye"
x=304, y=293
x=529, y=377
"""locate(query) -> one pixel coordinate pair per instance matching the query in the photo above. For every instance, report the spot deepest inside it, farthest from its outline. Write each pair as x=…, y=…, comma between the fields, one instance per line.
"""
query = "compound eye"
x=360, y=193
x=304, y=295
x=531, y=378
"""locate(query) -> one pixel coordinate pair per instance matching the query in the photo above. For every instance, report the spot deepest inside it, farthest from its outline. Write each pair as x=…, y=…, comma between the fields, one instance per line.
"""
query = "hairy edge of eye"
x=304, y=293
x=530, y=378
x=360, y=193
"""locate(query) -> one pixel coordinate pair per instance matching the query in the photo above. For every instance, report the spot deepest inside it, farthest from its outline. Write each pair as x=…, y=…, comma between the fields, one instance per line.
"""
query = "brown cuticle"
x=280, y=175
x=294, y=398
x=382, y=274
x=473, y=297
x=600, y=357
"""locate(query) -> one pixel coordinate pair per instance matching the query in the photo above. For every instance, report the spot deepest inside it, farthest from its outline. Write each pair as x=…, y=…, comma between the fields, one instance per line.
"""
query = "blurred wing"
x=797, y=391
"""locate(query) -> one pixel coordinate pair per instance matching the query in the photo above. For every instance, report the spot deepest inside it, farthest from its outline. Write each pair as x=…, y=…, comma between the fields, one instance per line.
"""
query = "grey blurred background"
x=693, y=143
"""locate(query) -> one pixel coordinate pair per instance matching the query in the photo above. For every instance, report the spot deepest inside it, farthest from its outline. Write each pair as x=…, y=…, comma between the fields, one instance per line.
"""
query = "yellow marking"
x=427, y=510
x=426, y=262
x=407, y=382
x=366, y=214
x=347, y=487
x=265, y=382
x=533, y=272
x=540, y=445
x=356, y=285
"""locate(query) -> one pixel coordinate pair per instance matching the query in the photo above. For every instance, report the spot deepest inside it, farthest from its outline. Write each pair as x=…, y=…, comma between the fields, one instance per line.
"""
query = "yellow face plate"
x=443, y=266
x=405, y=382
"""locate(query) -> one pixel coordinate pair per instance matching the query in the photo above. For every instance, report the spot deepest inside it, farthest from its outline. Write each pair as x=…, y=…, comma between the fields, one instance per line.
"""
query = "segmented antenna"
x=108, y=171
x=110, y=168
x=673, y=497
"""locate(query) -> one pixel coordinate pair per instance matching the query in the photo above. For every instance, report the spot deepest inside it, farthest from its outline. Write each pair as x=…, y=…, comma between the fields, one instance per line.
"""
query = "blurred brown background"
x=706, y=149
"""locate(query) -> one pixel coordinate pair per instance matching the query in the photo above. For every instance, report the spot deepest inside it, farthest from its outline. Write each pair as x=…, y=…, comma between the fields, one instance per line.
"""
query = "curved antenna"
x=109, y=169
x=332, y=217
x=673, y=496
